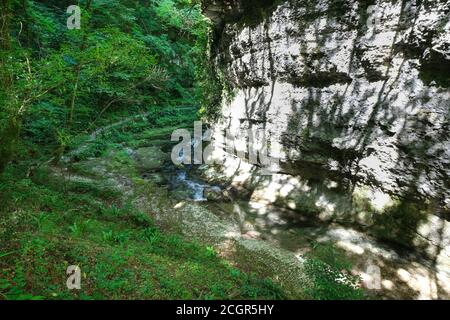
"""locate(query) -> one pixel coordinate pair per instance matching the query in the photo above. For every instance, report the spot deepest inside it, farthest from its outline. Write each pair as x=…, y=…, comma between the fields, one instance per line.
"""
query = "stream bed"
x=386, y=272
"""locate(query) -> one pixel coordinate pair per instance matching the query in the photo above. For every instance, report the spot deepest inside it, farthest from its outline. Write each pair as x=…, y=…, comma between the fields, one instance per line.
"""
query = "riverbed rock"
x=217, y=194
x=156, y=178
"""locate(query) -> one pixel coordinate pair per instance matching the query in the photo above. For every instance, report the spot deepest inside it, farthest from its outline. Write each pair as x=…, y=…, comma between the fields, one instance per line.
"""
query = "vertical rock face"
x=357, y=95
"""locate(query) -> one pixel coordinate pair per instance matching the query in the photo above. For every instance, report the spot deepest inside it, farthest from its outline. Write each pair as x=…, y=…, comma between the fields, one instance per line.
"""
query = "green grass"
x=44, y=228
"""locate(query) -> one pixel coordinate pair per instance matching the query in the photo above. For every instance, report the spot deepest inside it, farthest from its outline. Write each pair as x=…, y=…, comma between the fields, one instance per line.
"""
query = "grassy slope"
x=121, y=253
x=48, y=224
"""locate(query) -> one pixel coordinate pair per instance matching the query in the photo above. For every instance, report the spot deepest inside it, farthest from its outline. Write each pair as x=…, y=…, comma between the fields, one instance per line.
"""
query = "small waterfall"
x=180, y=158
x=195, y=142
x=196, y=188
x=181, y=176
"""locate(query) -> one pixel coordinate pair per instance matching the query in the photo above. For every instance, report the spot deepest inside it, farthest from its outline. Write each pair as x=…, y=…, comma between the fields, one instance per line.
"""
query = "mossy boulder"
x=150, y=158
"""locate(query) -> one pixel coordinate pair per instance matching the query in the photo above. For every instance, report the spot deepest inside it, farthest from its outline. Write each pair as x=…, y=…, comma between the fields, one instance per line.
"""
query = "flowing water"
x=195, y=188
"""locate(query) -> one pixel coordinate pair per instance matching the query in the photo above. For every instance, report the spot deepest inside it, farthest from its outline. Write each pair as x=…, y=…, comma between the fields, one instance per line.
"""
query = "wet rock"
x=182, y=193
x=217, y=194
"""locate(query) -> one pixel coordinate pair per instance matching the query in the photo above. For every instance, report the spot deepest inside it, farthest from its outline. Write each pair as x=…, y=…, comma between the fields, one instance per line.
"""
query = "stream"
x=195, y=188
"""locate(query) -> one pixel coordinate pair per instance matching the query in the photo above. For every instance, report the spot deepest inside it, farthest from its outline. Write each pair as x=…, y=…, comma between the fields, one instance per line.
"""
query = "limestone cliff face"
x=357, y=94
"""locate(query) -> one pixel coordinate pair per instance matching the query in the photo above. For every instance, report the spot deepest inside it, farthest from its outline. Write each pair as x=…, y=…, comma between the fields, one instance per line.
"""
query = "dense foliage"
x=129, y=56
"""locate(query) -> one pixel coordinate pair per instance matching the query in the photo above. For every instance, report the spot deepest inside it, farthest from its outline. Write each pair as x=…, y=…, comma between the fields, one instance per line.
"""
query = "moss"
x=121, y=253
x=330, y=273
x=399, y=223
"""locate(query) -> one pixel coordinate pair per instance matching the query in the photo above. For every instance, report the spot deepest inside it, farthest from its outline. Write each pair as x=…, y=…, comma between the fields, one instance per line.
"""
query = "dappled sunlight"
x=319, y=167
x=402, y=274
x=355, y=98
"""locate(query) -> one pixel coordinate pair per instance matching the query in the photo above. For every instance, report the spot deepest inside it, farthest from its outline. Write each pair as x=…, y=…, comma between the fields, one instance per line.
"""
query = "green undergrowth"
x=156, y=125
x=45, y=227
x=329, y=270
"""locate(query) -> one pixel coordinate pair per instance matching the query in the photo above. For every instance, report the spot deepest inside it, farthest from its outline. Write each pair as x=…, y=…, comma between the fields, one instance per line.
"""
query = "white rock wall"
x=357, y=93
